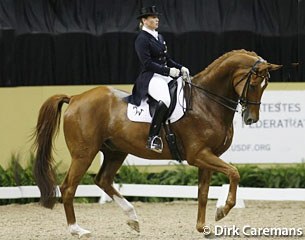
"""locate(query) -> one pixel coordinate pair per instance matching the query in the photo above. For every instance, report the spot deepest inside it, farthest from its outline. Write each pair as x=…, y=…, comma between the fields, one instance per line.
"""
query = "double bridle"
x=242, y=100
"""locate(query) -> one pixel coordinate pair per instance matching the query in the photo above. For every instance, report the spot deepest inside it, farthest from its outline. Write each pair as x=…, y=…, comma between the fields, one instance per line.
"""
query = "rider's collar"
x=152, y=32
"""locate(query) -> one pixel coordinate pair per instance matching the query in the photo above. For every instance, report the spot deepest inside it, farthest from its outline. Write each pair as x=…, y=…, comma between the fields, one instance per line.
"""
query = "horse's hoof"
x=76, y=230
x=134, y=225
x=206, y=230
x=219, y=214
x=202, y=228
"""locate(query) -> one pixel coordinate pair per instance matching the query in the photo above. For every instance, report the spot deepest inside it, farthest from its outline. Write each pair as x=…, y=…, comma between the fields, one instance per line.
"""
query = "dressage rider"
x=158, y=69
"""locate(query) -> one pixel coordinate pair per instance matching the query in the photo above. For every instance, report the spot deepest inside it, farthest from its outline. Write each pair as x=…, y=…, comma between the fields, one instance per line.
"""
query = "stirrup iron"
x=155, y=144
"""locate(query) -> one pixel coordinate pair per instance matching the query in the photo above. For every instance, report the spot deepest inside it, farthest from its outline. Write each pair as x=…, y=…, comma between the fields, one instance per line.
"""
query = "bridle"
x=242, y=100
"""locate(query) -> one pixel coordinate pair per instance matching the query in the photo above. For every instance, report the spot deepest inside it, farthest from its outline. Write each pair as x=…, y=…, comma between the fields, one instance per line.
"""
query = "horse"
x=96, y=120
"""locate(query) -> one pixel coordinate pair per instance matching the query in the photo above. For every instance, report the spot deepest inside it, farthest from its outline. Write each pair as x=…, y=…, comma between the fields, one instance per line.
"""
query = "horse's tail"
x=46, y=129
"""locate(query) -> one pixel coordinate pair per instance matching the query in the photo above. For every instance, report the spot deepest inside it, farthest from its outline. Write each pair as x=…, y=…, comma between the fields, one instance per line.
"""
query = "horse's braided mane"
x=222, y=58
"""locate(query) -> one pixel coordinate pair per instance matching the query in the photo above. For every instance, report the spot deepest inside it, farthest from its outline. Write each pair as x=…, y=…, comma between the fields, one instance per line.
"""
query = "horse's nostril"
x=249, y=121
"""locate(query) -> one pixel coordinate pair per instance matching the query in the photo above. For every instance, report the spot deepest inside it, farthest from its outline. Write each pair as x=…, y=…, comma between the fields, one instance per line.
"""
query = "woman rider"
x=158, y=69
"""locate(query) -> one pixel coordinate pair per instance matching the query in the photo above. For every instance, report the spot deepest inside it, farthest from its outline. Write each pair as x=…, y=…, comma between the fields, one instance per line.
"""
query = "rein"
x=228, y=102
x=224, y=101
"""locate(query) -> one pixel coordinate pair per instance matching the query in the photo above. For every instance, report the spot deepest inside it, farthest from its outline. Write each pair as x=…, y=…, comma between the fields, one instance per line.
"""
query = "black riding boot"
x=154, y=141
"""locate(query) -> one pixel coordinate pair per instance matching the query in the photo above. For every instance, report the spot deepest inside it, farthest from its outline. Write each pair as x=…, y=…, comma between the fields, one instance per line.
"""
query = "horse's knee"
x=234, y=175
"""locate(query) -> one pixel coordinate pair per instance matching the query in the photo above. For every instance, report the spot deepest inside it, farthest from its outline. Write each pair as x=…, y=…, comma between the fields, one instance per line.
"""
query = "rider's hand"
x=174, y=72
x=185, y=71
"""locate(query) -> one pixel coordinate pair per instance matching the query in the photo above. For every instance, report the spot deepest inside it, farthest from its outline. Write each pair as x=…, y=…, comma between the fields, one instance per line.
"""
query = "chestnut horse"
x=96, y=120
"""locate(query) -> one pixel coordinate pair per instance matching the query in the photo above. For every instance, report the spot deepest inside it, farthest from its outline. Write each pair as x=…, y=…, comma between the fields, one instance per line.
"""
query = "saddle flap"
x=142, y=113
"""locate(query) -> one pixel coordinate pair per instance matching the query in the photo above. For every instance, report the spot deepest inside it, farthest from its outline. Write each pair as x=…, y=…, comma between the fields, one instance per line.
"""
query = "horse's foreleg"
x=204, y=177
x=206, y=159
x=68, y=188
x=104, y=179
x=234, y=178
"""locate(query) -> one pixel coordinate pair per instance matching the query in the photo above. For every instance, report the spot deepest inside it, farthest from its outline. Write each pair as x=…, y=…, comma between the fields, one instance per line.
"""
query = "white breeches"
x=158, y=88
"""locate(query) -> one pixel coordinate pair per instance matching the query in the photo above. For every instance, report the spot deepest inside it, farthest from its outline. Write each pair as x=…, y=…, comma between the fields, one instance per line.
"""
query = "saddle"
x=144, y=112
x=179, y=105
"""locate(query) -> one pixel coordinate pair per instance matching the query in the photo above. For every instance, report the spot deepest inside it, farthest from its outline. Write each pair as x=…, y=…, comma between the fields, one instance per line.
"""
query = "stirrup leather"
x=155, y=144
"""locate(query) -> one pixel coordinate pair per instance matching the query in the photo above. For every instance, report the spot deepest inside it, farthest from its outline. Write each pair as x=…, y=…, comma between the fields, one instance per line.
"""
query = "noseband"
x=243, y=101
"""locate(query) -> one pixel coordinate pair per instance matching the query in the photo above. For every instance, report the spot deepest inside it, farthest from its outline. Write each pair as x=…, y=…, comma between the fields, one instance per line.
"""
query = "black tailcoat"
x=153, y=56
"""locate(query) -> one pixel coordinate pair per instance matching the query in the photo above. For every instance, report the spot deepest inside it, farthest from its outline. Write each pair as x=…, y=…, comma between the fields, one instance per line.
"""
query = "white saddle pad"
x=141, y=113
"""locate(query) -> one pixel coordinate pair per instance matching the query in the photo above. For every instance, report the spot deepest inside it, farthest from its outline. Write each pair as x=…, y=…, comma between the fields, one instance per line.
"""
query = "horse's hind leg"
x=81, y=161
x=104, y=179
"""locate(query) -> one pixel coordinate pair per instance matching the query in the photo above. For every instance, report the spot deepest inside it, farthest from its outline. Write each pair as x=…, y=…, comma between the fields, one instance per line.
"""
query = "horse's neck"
x=217, y=77
x=218, y=83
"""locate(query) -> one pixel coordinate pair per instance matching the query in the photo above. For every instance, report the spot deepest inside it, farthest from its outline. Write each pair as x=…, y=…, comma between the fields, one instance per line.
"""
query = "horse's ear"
x=269, y=67
x=273, y=67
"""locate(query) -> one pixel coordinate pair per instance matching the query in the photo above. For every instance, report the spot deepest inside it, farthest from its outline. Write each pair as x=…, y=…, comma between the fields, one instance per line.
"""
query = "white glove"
x=174, y=72
x=185, y=71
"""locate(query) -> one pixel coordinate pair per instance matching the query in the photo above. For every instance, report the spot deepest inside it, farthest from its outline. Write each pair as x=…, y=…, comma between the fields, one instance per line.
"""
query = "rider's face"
x=151, y=22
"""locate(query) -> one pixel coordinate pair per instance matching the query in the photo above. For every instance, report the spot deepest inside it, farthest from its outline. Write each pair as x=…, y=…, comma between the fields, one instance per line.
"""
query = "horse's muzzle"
x=249, y=118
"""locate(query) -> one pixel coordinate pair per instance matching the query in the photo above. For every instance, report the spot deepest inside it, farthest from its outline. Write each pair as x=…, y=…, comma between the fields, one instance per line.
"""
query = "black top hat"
x=148, y=11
